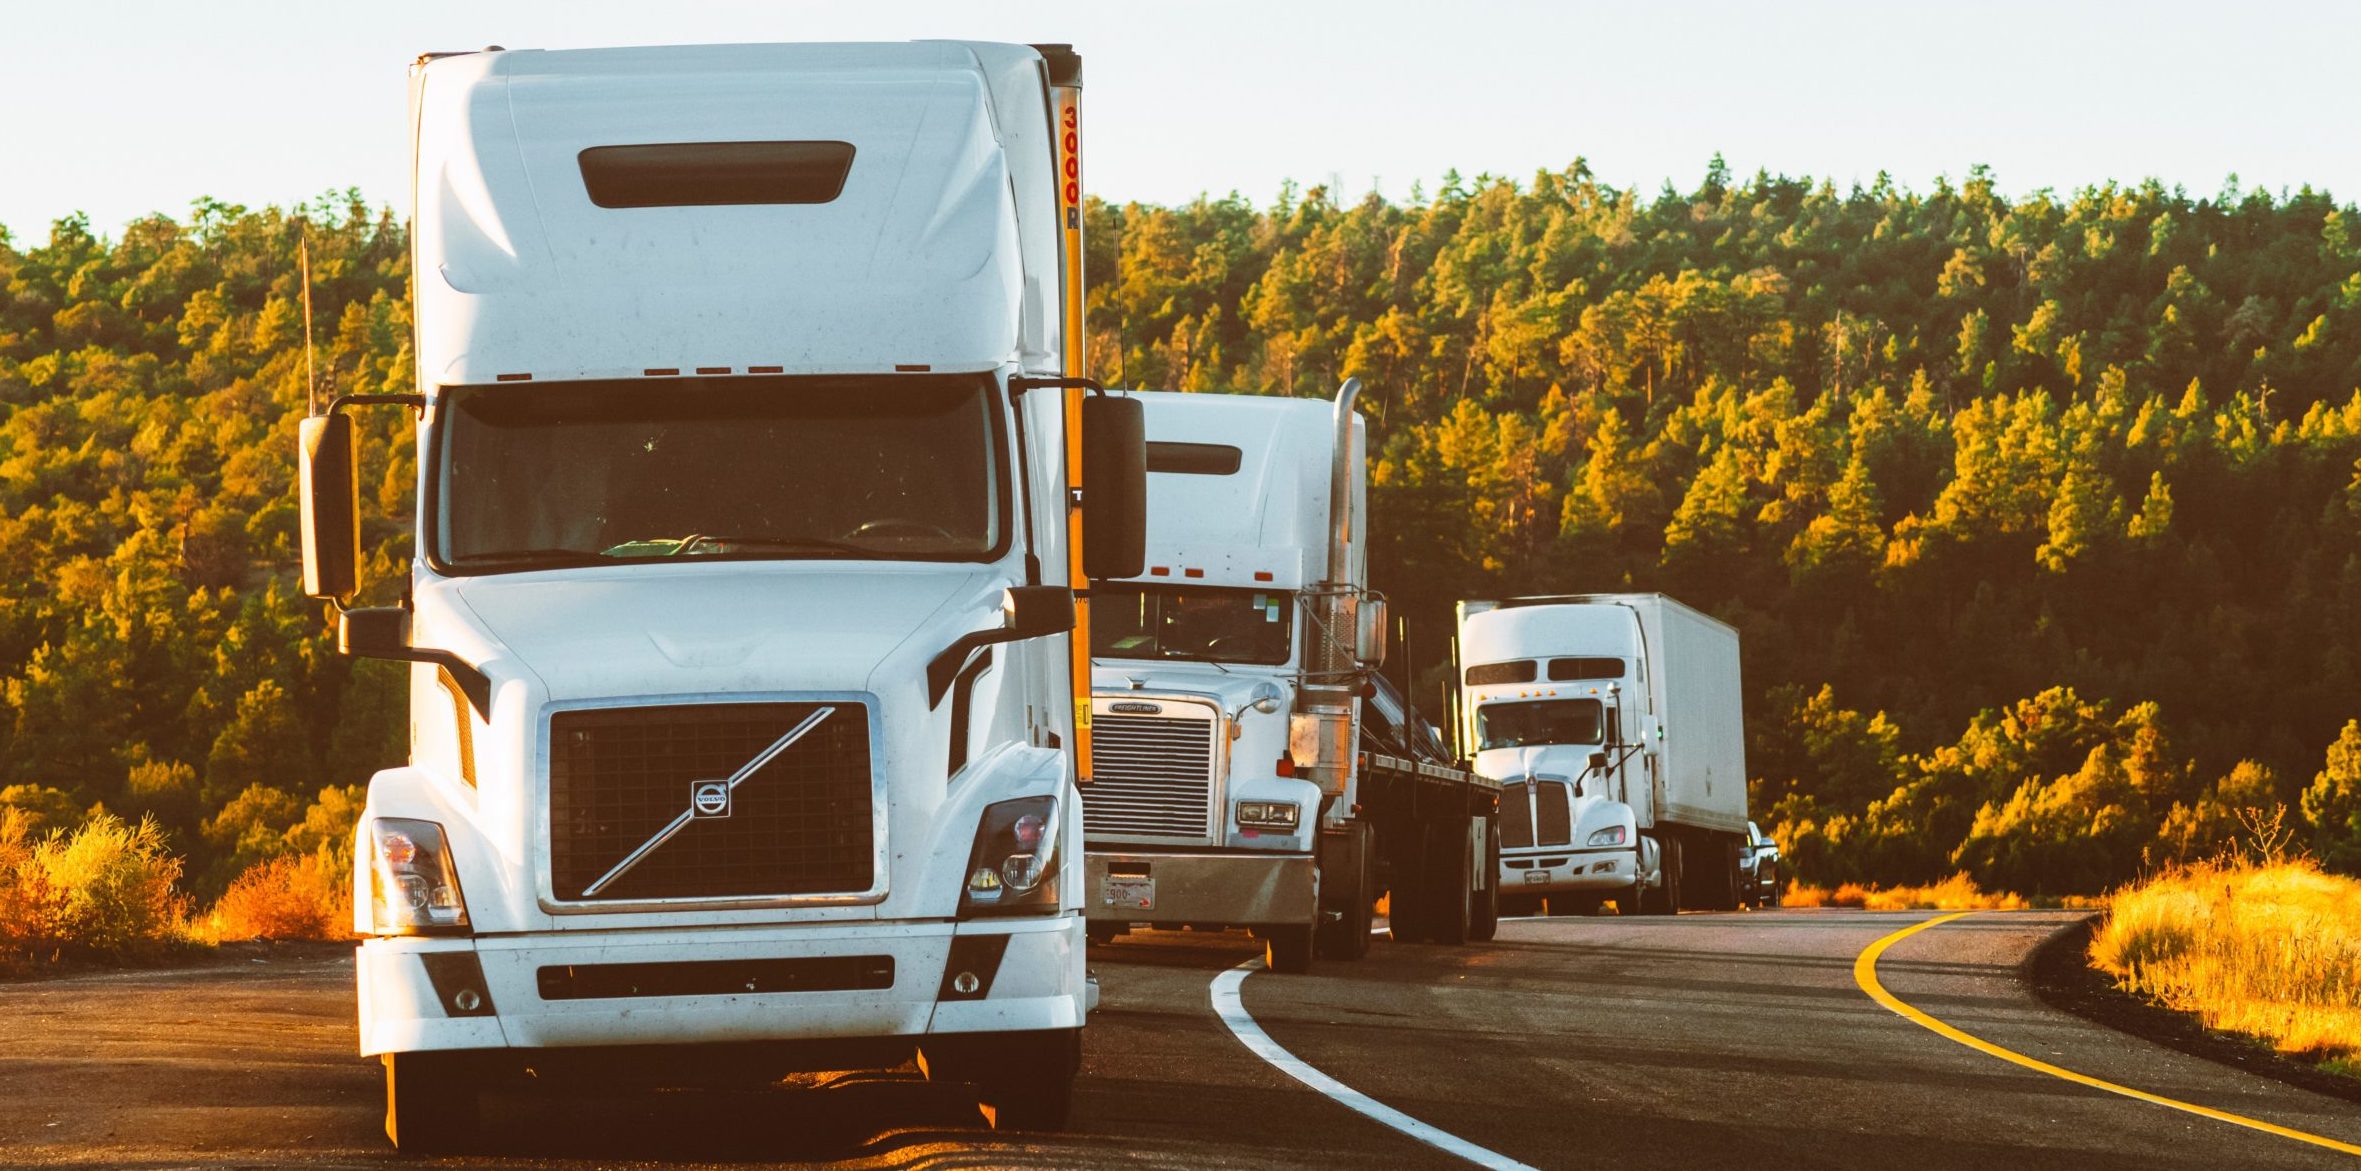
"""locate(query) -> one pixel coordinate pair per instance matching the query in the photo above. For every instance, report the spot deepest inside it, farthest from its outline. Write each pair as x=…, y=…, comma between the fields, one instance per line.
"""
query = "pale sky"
x=119, y=108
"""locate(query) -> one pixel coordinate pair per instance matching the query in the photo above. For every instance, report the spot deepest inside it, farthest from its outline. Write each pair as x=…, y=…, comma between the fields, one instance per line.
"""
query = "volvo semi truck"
x=1616, y=725
x=1242, y=779
x=755, y=465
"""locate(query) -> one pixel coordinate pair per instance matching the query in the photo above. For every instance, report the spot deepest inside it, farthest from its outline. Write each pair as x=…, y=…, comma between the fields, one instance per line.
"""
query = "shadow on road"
x=820, y=1119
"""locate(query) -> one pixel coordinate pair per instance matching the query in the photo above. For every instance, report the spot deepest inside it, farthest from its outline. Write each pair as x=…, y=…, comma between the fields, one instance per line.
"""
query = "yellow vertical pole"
x=1067, y=105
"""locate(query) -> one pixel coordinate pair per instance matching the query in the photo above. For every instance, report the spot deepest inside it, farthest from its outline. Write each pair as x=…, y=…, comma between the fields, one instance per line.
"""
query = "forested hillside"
x=2040, y=517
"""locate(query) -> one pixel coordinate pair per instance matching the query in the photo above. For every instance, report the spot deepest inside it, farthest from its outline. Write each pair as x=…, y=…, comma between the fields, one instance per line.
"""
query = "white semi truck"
x=1252, y=769
x=754, y=461
x=1616, y=724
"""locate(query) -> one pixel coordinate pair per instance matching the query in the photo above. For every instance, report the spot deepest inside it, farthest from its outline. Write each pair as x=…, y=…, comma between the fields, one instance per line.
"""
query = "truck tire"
x=1287, y=947
x=1713, y=880
x=1485, y=921
x=1024, y=1081
x=430, y=1101
x=1347, y=936
x=1666, y=898
x=1450, y=884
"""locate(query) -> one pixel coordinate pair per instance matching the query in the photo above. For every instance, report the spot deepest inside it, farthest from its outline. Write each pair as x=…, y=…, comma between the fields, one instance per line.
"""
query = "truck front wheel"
x=1666, y=898
x=1024, y=1081
x=430, y=1101
x=1288, y=948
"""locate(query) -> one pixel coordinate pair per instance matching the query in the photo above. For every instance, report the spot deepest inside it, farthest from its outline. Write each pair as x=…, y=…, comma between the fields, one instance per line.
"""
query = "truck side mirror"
x=1034, y=611
x=373, y=632
x=331, y=509
x=1369, y=644
x=1114, y=487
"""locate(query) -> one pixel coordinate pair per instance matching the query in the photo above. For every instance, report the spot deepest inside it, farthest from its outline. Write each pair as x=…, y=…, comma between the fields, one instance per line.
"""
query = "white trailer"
x=754, y=464
x=1242, y=780
x=1617, y=723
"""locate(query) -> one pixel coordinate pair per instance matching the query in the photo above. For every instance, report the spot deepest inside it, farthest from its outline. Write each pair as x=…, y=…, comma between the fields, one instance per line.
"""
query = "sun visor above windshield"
x=598, y=213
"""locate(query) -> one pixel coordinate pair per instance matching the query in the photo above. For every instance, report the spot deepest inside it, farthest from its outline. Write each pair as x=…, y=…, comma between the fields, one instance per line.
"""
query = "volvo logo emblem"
x=1131, y=708
x=709, y=798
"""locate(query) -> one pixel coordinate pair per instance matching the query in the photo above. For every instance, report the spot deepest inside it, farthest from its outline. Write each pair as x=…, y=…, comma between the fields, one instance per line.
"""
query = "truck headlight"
x=413, y=887
x=1279, y=815
x=1013, y=867
x=1610, y=836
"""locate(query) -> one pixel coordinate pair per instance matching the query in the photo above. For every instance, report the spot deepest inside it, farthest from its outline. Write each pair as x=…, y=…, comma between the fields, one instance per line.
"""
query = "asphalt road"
x=1734, y=1040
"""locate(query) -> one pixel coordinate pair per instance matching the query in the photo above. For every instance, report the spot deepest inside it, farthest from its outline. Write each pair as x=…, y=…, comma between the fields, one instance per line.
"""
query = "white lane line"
x=1232, y=1010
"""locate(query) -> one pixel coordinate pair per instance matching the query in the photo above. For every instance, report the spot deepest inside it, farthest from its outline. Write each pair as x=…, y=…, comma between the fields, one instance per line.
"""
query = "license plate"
x=1124, y=892
x=1536, y=877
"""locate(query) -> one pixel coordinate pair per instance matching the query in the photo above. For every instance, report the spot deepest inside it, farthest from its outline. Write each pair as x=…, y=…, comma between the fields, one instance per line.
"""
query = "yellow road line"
x=1865, y=974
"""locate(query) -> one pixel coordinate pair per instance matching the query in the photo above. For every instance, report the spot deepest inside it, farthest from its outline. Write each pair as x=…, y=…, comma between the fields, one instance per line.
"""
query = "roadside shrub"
x=292, y=896
x=105, y=891
x=1956, y=893
x=2268, y=948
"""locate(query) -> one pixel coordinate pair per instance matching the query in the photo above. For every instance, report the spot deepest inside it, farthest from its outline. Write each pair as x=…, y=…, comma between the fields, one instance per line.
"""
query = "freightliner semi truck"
x=1615, y=723
x=748, y=681
x=1241, y=779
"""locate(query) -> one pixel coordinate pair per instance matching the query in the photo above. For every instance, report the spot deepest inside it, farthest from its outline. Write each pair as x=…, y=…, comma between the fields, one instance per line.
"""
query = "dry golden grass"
x=294, y=896
x=1956, y=893
x=2268, y=949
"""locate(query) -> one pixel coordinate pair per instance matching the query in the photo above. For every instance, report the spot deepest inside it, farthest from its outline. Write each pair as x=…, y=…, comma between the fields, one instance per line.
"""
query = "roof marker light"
x=713, y=369
x=912, y=368
x=1262, y=575
x=766, y=369
x=1160, y=571
x=513, y=377
x=662, y=372
x=1192, y=573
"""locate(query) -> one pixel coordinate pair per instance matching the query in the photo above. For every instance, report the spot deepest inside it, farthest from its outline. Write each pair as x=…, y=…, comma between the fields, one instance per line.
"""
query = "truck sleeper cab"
x=741, y=680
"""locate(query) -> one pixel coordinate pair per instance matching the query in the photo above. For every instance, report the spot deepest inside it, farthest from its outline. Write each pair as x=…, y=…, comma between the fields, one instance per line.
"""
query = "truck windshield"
x=1541, y=721
x=1203, y=624
x=593, y=472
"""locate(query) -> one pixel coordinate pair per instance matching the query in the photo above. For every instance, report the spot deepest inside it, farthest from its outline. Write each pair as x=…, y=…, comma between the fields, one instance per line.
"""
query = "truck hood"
x=1230, y=689
x=739, y=627
x=1563, y=761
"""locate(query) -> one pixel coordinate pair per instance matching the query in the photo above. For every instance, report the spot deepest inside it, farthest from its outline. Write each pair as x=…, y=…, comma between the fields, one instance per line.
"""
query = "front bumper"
x=1600, y=871
x=569, y=989
x=1238, y=888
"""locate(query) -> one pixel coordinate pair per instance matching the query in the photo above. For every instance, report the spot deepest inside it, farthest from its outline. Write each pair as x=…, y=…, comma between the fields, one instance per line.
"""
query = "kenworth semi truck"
x=1250, y=773
x=1616, y=725
x=755, y=462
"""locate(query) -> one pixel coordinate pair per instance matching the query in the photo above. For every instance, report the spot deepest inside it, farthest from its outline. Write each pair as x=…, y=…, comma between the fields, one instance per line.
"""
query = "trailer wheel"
x=1484, y=921
x=1450, y=884
x=430, y=1101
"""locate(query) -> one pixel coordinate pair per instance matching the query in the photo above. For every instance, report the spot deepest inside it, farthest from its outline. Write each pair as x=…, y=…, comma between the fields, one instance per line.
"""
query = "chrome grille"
x=1151, y=776
x=1535, y=813
x=1552, y=816
x=620, y=777
x=1516, y=816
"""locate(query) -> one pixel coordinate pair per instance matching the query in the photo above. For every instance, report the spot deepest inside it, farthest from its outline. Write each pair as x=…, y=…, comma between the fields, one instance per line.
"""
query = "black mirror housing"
x=1114, y=487
x=1035, y=611
x=331, y=509
x=373, y=632
x=1598, y=762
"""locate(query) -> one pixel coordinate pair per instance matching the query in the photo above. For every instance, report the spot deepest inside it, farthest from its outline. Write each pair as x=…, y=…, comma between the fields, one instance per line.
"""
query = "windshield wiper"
x=531, y=557
x=775, y=544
